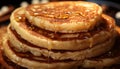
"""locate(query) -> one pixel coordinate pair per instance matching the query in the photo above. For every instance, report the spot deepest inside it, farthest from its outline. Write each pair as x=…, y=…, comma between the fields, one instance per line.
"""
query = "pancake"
x=22, y=45
x=103, y=61
x=85, y=40
x=55, y=17
x=62, y=35
x=107, y=60
x=34, y=62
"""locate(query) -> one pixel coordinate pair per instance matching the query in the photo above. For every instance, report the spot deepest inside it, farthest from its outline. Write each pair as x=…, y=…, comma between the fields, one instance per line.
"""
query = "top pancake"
x=67, y=16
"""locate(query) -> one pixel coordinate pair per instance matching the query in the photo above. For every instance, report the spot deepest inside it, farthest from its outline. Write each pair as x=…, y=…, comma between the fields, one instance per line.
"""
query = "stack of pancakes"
x=62, y=35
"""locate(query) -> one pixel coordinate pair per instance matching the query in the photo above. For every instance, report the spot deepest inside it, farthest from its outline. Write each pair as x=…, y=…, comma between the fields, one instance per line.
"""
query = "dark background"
x=12, y=2
x=17, y=2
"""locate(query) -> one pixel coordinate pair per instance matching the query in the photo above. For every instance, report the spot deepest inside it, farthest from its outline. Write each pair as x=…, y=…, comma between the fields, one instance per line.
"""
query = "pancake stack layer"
x=62, y=35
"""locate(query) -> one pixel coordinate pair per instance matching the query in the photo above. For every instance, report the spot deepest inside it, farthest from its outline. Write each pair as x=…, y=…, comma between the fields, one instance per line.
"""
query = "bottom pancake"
x=11, y=64
x=15, y=66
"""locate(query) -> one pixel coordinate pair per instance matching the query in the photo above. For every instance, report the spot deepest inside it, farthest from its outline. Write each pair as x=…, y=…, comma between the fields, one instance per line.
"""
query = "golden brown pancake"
x=62, y=35
x=63, y=41
x=66, y=17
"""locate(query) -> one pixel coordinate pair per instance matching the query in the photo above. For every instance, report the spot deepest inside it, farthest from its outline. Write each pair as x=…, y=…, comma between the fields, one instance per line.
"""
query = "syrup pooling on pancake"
x=63, y=11
x=76, y=15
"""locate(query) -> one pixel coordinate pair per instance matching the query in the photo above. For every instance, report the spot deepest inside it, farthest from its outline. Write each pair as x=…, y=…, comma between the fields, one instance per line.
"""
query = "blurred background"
x=110, y=7
x=17, y=2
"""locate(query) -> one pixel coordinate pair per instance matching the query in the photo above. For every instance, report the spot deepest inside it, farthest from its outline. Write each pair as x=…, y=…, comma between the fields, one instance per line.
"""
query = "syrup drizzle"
x=49, y=48
x=91, y=42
